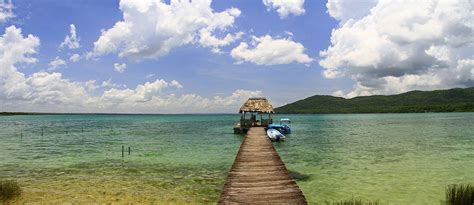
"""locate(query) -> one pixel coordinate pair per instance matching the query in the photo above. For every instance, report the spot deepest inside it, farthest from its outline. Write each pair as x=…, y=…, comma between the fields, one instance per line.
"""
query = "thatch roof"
x=259, y=104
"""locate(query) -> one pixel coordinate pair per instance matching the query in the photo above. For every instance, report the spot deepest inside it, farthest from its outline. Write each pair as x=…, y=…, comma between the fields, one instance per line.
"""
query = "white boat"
x=275, y=135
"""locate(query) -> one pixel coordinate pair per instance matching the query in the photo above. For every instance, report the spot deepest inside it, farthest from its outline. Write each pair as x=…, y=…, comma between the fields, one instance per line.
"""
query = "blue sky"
x=203, y=72
x=296, y=60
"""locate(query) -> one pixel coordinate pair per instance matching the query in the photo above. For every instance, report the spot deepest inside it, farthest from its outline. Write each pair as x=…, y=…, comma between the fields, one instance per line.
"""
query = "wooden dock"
x=259, y=176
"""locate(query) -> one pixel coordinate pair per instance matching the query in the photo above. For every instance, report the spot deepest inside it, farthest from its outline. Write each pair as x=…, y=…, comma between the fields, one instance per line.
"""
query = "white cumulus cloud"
x=344, y=10
x=206, y=39
x=109, y=84
x=15, y=49
x=266, y=50
x=52, y=92
x=150, y=29
x=175, y=84
x=142, y=93
x=6, y=12
x=139, y=100
x=71, y=41
x=74, y=57
x=149, y=75
x=395, y=46
x=52, y=88
x=285, y=7
x=57, y=62
x=120, y=67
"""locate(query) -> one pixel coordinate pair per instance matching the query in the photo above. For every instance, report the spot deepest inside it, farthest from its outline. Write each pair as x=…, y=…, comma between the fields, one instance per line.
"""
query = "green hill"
x=452, y=100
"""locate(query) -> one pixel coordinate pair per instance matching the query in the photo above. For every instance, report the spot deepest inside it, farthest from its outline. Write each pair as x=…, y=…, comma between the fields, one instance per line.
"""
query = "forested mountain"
x=452, y=100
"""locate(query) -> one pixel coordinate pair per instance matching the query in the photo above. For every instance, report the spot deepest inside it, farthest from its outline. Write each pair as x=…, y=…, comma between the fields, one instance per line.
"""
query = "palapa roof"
x=259, y=104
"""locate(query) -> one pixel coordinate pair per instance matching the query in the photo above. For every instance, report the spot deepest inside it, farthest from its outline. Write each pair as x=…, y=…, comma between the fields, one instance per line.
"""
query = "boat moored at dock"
x=283, y=127
x=275, y=135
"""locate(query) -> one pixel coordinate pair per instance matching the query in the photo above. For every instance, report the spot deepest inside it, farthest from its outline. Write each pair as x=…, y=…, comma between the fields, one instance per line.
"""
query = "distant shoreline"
x=355, y=113
x=150, y=114
x=75, y=113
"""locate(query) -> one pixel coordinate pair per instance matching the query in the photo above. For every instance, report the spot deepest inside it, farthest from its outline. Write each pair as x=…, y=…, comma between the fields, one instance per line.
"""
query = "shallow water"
x=395, y=158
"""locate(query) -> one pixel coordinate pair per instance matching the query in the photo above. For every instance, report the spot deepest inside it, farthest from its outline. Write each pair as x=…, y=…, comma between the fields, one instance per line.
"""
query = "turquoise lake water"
x=393, y=158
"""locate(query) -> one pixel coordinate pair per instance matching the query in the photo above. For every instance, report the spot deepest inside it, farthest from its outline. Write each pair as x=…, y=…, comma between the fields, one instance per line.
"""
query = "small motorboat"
x=275, y=135
x=283, y=127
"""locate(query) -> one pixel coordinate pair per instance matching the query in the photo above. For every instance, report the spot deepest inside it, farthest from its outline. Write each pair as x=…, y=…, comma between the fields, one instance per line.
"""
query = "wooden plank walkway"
x=259, y=176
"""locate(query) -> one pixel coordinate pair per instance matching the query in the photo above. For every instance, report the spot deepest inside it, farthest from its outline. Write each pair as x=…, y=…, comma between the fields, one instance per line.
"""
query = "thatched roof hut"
x=253, y=107
x=260, y=105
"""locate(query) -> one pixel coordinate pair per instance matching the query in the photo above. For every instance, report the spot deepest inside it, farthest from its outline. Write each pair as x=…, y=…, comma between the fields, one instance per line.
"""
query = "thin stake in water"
x=128, y=150
x=123, y=150
x=41, y=132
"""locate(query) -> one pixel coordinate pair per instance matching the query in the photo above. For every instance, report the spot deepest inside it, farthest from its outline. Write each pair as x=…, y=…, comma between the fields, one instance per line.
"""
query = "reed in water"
x=460, y=194
x=356, y=201
x=9, y=189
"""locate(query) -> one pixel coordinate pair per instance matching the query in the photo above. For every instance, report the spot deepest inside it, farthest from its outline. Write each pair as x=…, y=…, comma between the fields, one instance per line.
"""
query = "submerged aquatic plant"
x=299, y=176
x=355, y=201
x=460, y=194
x=9, y=189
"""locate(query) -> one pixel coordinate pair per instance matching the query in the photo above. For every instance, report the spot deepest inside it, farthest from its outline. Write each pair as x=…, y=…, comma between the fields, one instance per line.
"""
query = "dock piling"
x=123, y=148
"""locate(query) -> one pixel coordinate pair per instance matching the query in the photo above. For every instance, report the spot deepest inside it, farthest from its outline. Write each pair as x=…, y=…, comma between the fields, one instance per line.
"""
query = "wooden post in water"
x=21, y=135
x=128, y=150
x=123, y=148
x=41, y=132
